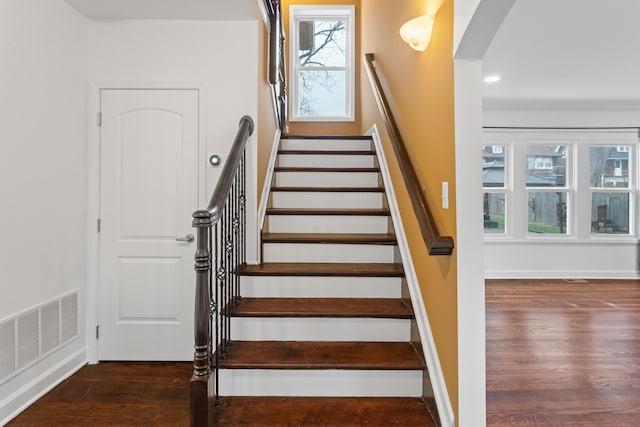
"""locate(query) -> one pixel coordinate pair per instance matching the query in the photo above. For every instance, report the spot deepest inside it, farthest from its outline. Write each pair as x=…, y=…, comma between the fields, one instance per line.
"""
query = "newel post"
x=199, y=390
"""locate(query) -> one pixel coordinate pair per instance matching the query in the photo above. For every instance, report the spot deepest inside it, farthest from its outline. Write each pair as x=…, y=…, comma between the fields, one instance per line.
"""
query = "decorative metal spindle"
x=232, y=253
x=236, y=239
x=215, y=314
x=243, y=207
x=229, y=278
x=223, y=283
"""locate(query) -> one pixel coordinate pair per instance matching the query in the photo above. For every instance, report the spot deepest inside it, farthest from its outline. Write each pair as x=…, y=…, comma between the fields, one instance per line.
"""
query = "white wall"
x=219, y=56
x=571, y=259
x=471, y=305
x=463, y=13
x=43, y=93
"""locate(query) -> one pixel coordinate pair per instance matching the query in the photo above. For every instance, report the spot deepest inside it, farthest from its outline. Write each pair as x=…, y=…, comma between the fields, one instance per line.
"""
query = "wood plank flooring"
x=116, y=394
x=563, y=354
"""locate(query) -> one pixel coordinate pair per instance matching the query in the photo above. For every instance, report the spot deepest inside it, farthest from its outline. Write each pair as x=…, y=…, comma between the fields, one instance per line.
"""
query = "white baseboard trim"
x=266, y=187
x=436, y=375
x=582, y=274
x=26, y=395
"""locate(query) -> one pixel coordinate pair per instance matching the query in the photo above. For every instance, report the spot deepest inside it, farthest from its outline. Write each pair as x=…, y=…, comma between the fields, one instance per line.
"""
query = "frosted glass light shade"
x=417, y=32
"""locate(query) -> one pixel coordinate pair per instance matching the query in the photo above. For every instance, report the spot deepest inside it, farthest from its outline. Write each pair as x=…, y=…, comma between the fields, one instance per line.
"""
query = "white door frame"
x=93, y=187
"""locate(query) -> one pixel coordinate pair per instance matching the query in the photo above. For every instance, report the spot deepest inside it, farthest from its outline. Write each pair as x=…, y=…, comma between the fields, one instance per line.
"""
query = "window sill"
x=322, y=119
x=567, y=240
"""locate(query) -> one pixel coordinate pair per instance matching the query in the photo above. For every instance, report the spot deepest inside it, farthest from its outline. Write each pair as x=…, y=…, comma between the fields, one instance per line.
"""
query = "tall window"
x=495, y=188
x=547, y=188
x=611, y=194
x=322, y=63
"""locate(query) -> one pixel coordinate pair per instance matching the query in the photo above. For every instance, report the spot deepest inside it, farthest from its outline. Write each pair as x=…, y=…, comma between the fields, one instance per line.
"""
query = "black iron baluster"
x=243, y=207
x=215, y=313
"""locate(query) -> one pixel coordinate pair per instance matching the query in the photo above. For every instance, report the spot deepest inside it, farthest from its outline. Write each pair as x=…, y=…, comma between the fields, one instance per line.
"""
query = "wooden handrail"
x=437, y=244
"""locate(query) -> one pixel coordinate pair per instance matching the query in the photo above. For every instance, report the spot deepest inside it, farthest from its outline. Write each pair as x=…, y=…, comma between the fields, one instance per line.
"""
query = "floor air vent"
x=7, y=348
x=31, y=335
x=28, y=338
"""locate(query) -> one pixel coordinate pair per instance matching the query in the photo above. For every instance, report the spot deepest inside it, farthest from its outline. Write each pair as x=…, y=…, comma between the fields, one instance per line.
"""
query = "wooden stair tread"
x=323, y=269
x=322, y=355
x=328, y=212
x=329, y=137
x=329, y=152
x=321, y=411
x=340, y=238
x=325, y=169
x=375, y=308
x=330, y=189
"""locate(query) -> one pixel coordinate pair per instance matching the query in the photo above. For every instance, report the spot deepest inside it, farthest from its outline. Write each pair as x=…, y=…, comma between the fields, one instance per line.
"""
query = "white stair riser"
x=325, y=144
x=321, y=382
x=327, y=224
x=319, y=329
x=325, y=161
x=325, y=252
x=287, y=199
x=320, y=287
x=326, y=179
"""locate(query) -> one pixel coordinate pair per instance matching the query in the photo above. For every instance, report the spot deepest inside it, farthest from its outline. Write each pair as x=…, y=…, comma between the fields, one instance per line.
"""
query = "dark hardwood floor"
x=116, y=394
x=563, y=354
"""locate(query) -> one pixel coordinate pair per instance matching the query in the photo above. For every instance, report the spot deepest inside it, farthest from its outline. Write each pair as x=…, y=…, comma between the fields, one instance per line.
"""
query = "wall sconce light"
x=417, y=32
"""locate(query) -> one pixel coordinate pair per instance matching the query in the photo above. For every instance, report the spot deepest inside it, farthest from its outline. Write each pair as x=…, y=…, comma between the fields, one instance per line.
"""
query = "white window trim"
x=320, y=12
x=579, y=202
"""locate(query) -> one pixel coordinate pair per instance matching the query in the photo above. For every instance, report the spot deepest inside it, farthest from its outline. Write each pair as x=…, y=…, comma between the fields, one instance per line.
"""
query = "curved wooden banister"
x=437, y=244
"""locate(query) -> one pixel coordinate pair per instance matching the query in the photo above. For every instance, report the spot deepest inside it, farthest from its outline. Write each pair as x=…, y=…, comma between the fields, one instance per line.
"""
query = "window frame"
x=631, y=189
x=298, y=13
x=577, y=184
x=568, y=187
x=506, y=189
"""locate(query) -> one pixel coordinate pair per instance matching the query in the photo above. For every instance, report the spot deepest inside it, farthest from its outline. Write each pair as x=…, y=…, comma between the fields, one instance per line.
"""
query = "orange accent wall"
x=420, y=88
x=326, y=128
x=266, y=126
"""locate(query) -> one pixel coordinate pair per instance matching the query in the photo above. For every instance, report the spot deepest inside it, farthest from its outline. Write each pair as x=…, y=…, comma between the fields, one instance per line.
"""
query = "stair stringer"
x=266, y=188
x=436, y=376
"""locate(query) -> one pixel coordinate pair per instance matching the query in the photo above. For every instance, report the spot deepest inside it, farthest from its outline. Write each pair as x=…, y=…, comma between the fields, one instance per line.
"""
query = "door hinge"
x=97, y=331
x=100, y=119
x=99, y=224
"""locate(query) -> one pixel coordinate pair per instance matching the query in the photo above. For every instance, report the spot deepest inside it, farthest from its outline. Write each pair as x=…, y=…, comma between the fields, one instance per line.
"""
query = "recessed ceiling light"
x=492, y=79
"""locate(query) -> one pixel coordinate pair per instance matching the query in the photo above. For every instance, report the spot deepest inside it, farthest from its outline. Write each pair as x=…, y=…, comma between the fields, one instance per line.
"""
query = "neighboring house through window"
x=578, y=184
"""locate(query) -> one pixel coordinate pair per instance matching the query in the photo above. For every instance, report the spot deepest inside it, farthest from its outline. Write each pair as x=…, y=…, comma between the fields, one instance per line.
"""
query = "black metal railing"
x=221, y=249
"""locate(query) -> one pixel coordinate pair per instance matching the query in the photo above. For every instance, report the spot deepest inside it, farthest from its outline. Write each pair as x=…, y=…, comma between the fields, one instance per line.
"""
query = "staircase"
x=323, y=332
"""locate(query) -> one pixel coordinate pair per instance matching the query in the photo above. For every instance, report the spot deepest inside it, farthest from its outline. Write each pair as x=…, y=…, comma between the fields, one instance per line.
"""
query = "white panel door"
x=149, y=188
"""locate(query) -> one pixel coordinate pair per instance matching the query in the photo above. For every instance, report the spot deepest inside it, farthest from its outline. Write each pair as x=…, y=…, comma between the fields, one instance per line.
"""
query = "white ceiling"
x=567, y=50
x=218, y=10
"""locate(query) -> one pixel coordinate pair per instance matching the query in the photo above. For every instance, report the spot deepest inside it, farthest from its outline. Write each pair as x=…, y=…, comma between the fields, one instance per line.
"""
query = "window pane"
x=494, y=218
x=610, y=213
x=609, y=166
x=546, y=166
x=493, y=165
x=321, y=43
x=547, y=213
x=322, y=93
